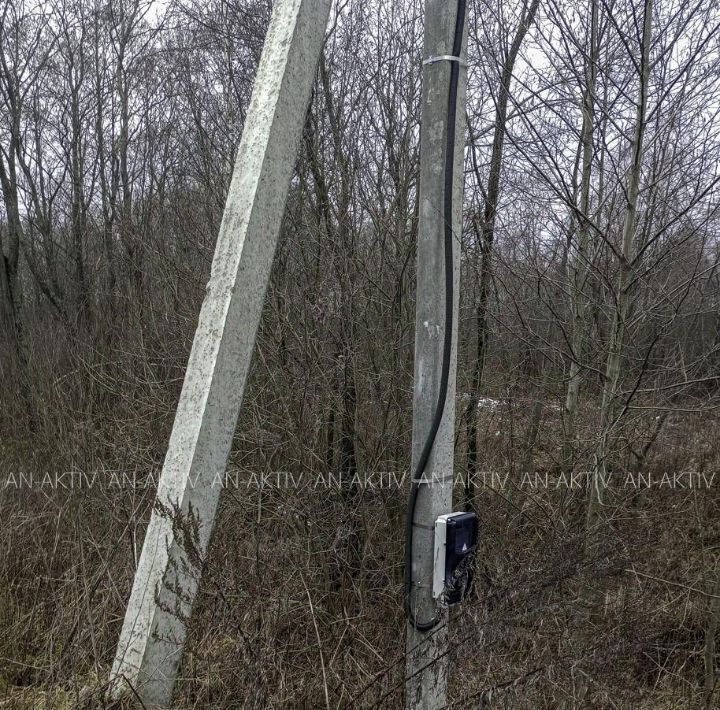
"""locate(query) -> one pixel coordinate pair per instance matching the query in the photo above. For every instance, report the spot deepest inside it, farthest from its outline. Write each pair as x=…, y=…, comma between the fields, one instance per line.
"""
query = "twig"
x=674, y=584
x=317, y=635
x=134, y=692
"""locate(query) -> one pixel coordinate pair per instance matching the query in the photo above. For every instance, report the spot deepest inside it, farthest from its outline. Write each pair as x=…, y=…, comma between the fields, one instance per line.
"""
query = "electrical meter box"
x=455, y=543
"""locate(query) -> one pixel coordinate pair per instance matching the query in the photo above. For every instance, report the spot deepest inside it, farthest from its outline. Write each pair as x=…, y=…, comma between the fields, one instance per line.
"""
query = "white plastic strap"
x=445, y=58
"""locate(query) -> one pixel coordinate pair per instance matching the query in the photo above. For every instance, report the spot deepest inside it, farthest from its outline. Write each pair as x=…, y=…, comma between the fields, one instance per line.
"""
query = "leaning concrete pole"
x=154, y=631
x=427, y=664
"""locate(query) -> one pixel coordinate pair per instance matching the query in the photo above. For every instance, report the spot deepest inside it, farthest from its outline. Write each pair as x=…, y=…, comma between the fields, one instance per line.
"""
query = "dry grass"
x=67, y=558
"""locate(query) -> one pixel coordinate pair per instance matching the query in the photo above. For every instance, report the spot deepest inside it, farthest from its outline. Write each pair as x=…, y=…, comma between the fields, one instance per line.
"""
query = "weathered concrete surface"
x=154, y=631
x=427, y=688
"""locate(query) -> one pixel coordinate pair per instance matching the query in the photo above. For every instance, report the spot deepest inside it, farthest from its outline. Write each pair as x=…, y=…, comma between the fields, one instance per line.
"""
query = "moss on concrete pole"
x=427, y=664
x=154, y=631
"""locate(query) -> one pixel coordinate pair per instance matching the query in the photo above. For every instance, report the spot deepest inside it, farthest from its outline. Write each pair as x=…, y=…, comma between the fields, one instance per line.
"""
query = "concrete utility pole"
x=153, y=635
x=427, y=667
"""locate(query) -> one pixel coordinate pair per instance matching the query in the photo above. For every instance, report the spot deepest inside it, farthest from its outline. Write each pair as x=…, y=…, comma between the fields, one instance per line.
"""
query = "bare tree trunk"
x=486, y=239
x=578, y=263
x=107, y=199
x=623, y=296
x=10, y=252
x=79, y=210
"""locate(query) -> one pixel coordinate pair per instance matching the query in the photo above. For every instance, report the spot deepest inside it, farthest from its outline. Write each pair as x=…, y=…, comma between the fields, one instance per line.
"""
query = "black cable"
x=449, y=302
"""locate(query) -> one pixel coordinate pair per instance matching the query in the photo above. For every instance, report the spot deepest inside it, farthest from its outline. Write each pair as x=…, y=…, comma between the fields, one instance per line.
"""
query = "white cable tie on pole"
x=445, y=58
